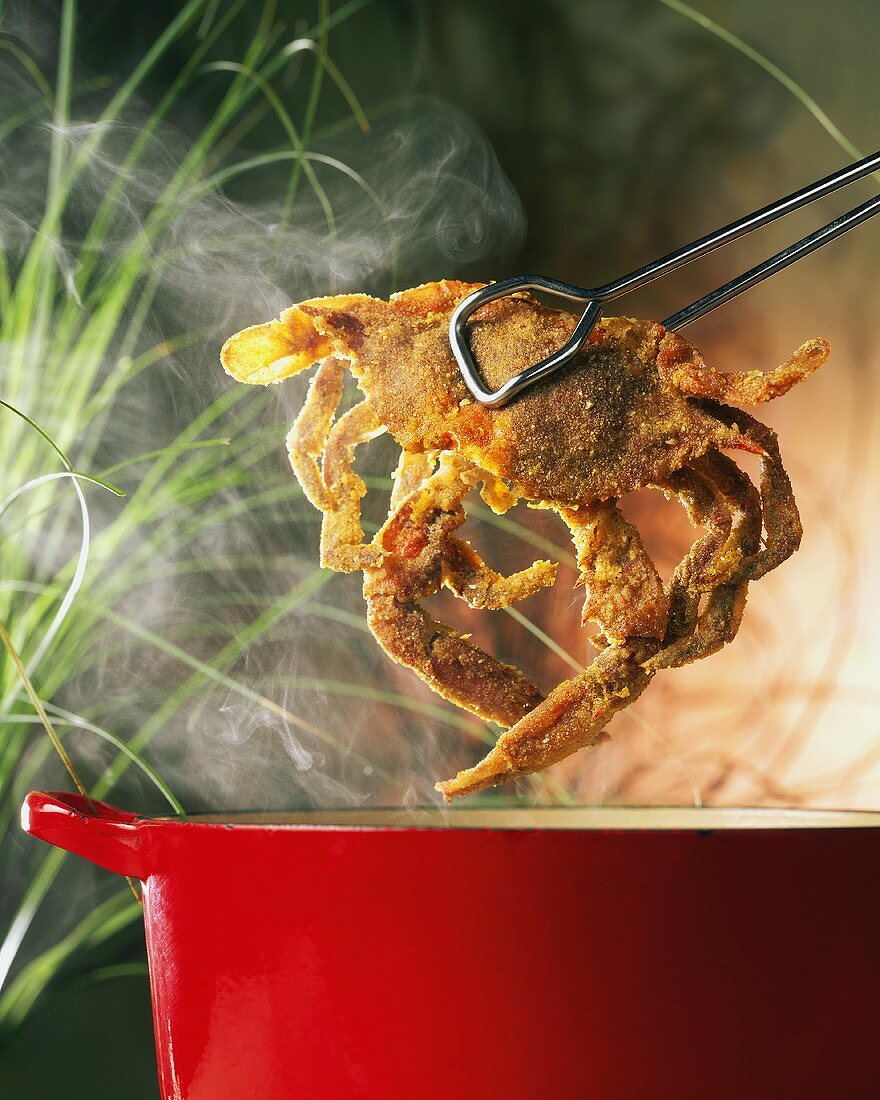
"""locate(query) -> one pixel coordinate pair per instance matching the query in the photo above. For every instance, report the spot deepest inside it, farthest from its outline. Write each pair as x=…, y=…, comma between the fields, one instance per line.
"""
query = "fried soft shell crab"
x=637, y=408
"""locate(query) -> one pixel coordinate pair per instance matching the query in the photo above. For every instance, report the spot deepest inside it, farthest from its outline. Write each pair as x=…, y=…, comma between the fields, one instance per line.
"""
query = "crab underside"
x=638, y=409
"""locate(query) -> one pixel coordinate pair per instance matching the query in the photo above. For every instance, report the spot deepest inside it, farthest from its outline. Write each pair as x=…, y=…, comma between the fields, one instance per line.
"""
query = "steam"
x=419, y=197
x=308, y=713
x=205, y=636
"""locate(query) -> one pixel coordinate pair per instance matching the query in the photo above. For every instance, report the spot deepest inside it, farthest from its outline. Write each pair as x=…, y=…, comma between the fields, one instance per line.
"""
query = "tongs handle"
x=594, y=297
x=779, y=262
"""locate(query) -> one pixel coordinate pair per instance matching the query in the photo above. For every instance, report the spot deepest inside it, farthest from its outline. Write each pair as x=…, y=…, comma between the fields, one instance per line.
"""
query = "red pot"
x=607, y=953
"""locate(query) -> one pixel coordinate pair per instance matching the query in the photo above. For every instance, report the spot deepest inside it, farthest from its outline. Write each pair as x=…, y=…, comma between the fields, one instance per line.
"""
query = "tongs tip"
x=592, y=300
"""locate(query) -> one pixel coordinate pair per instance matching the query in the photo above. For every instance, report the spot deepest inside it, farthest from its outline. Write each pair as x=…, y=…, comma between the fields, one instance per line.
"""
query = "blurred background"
x=172, y=172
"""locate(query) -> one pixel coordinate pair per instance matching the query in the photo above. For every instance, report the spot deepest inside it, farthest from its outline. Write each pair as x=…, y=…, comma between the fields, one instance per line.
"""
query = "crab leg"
x=342, y=537
x=412, y=469
x=420, y=553
x=782, y=522
x=308, y=435
x=710, y=491
x=614, y=565
x=624, y=591
x=739, y=494
x=472, y=580
x=711, y=559
x=448, y=663
x=717, y=625
x=572, y=717
x=682, y=366
x=702, y=507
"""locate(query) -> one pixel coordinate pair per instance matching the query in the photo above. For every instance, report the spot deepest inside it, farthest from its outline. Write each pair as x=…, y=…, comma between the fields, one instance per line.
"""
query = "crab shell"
x=621, y=416
x=637, y=406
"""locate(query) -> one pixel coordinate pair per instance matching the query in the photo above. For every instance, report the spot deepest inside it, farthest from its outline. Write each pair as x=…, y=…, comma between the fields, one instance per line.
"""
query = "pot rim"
x=528, y=819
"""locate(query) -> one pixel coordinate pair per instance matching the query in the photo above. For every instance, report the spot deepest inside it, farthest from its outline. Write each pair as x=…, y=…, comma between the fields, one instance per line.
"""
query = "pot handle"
x=101, y=833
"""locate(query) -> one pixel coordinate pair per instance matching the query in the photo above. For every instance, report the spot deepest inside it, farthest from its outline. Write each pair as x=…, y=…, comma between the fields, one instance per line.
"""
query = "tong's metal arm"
x=593, y=298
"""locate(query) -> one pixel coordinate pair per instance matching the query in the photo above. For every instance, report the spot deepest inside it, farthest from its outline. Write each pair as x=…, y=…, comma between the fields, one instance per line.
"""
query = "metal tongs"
x=593, y=298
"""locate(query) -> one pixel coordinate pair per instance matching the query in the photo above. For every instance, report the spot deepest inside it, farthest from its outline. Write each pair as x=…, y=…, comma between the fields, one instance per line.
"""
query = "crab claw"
x=263, y=354
x=303, y=335
x=572, y=717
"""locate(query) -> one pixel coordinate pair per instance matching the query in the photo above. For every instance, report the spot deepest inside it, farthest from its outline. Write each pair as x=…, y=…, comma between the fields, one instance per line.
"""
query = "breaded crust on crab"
x=637, y=407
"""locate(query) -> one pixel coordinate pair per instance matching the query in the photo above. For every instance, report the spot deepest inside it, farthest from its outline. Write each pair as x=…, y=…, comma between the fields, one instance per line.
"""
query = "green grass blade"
x=43, y=718
x=171, y=449
x=104, y=921
x=31, y=68
x=778, y=74
x=75, y=721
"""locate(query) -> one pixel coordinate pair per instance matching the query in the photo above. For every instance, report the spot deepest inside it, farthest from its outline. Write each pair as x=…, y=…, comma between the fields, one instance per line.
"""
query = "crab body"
x=606, y=425
x=638, y=407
